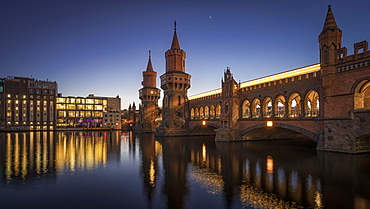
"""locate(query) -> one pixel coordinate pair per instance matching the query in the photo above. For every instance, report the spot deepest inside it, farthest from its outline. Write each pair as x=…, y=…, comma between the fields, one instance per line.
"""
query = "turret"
x=330, y=39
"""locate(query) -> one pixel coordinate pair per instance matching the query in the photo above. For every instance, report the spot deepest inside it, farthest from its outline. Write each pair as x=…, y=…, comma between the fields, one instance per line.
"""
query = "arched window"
x=206, y=112
x=294, y=106
x=218, y=111
x=246, y=109
x=311, y=104
x=267, y=107
x=256, y=108
x=226, y=107
x=212, y=112
x=179, y=100
x=362, y=95
x=279, y=106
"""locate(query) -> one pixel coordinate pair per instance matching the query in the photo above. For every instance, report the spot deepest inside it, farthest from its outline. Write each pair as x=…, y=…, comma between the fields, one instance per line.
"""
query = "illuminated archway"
x=218, y=111
x=196, y=113
x=212, y=112
x=312, y=104
x=206, y=112
x=256, y=108
x=294, y=105
x=192, y=113
x=279, y=106
x=362, y=95
x=201, y=113
x=267, y=107
x=246, y=109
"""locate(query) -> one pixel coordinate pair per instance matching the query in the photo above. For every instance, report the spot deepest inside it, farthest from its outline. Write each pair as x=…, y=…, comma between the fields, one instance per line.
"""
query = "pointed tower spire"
x=330, y=22
x=149, y=67
x=175, y=41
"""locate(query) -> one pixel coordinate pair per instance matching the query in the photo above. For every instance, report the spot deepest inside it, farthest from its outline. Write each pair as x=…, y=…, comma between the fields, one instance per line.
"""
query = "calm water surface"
x=119, y=170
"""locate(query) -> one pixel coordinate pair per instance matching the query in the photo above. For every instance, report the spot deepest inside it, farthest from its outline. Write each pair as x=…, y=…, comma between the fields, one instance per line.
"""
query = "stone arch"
x=294, y=105
x=192, y=113
x=246, y=109
x=212, y=112
x=218, y=111
x=267, y=107
x=361, y=92
x=210, y=127
x=256, y=108
x=206, y=112
x=279, y=106
x=310, y=134
x=311, y=104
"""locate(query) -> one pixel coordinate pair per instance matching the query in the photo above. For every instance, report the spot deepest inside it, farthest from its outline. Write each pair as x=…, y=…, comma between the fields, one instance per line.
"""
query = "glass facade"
x=80, y=112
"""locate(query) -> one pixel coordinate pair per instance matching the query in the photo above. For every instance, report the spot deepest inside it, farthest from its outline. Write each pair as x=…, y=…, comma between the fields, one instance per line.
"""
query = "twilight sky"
x=101, y=47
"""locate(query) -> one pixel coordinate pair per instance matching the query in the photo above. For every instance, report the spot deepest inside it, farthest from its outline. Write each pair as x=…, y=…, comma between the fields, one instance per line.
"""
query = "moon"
x=210, y=17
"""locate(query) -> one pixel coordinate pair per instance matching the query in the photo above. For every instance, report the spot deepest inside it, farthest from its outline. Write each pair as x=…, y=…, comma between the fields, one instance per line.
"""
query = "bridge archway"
x=362, y=94
x=277, y=131
x=207, y=129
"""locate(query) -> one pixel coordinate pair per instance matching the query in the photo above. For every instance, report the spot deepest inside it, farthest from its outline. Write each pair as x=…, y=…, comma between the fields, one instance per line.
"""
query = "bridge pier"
x=227, y=135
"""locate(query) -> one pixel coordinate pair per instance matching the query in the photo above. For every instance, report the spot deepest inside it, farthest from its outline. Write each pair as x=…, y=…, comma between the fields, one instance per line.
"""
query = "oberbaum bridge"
x=328, y=102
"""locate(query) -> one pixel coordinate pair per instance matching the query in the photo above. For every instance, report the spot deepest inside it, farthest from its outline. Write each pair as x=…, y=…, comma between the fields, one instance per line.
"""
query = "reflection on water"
x=192, y=172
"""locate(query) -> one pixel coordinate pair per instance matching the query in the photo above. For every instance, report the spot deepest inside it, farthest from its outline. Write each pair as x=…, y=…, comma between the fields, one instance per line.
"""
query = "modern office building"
x=27, y=103
x=88, y=112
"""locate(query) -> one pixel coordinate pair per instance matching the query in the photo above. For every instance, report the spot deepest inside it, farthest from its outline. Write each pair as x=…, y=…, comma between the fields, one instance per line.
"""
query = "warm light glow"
x=269, y=123
x=204, y=152
x=204, y=123
x=275, y=77
x=270, y=164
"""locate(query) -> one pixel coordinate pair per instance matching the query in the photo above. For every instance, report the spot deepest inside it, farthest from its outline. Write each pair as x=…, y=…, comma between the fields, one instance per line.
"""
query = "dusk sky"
x=101, y=47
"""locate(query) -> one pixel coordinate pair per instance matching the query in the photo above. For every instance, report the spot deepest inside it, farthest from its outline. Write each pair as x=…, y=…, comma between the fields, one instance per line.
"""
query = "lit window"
x=9, y=95
x=16, y=101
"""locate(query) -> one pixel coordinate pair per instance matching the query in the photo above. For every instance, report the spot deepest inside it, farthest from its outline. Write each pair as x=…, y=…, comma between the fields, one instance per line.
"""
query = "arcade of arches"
x=293, y=107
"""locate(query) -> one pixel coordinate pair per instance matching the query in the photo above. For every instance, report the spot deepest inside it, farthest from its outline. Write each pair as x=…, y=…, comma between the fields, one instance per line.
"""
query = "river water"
x=122, y=170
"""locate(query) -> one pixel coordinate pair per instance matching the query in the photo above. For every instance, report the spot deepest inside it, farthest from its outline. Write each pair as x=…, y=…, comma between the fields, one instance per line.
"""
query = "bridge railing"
x=267, y=114
x=311, y=113
x=294, y=113
x=256, y=114
x=279, y=114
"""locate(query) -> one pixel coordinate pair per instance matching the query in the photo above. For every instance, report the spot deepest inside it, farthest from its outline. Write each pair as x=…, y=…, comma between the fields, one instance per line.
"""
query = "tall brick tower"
x=149, y=96
x=175, y=83
x=330, y=40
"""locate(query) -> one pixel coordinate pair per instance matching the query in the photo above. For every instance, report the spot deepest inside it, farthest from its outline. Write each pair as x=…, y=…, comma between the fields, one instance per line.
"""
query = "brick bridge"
x=327, y=103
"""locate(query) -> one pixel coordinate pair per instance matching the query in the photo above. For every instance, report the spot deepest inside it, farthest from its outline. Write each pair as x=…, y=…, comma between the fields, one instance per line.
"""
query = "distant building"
x=88, y=112
x=112, y=117
x=27, y=104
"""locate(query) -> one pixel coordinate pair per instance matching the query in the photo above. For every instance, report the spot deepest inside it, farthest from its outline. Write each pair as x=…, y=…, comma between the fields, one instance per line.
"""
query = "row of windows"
x=62, y=100
x=24, y=102
x=39, y=85
x=82, y=114
x=79, y=107
x=41, y=91
x=16, y=96
x=28, y=123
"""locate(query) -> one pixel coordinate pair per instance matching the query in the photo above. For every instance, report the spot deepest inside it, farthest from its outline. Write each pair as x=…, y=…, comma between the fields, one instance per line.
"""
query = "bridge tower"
x=149, y=96
x=330, y=40
x=175, y=83
x=230, y=101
